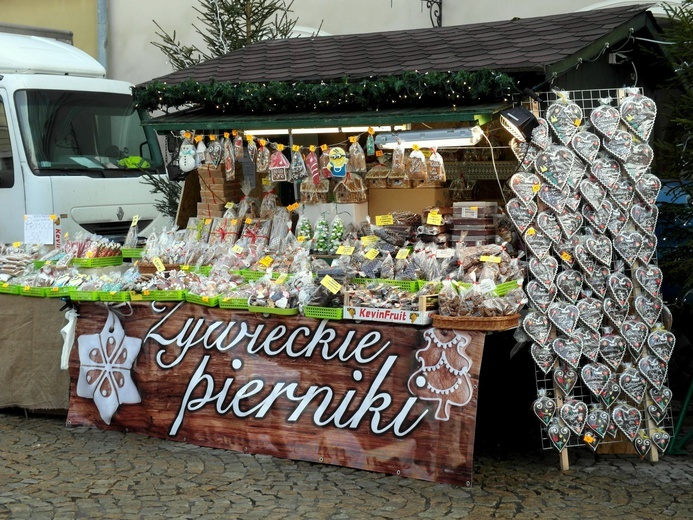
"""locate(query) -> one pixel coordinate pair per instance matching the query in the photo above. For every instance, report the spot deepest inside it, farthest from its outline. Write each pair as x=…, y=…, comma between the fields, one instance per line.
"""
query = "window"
x=6, y=161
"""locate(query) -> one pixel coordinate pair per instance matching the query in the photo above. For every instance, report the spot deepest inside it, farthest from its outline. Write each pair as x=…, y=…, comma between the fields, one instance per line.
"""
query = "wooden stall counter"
x=398, y=399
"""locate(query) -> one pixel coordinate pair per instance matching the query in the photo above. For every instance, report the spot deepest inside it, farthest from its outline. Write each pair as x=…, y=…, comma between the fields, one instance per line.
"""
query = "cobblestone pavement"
x=50, y=471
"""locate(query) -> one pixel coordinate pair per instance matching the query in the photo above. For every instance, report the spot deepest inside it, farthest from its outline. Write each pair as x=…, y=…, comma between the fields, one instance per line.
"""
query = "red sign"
x=391, y=398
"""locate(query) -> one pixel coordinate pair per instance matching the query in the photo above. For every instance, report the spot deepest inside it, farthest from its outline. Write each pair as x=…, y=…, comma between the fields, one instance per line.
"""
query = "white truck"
x=71, y=143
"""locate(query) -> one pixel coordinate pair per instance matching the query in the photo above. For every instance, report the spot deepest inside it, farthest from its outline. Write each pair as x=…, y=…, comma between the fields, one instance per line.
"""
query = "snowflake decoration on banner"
x=104, y=373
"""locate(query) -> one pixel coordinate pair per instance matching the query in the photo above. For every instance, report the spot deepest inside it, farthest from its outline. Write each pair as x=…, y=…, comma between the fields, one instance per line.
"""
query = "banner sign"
x=396, y=399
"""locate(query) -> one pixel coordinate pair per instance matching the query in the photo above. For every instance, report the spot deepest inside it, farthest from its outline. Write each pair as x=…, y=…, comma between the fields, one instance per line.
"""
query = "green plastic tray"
x=58, y=292
x=114, y=296
x=107, y=261
x=324, y=313
x=202, y=300
x=273, y=310
x=132, y=253
x=233, y=303
x=163, y=296
x=8, y=288
x=407, y=285
x=85, y=296
x=39, y=292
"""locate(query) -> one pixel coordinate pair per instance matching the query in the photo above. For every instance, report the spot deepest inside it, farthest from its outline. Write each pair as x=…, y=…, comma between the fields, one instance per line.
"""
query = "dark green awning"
x=200, y=119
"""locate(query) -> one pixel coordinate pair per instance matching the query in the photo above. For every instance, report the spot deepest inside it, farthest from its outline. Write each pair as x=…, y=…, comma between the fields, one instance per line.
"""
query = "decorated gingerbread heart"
x=568, y=349
x=661, y=343
x=537, y=242
x=548, y=224
x=638, y=112
x=639, y=160
x=553, y=197
x=554, y=164
x=521, y=214
x=564, y=316
x=619, y=144
x=591, y=312
x=590, y=342
x=648, y=187
x=642, y=443
x=649, y=277
x=600, y=248
x=592, y=192
x=655, y=414
x=541, y=135
x=570, y=223
x=648, y=308
x=543, y=356
x=633, y=384
x=565, y=378
x=606, y=170
x=660, y=439
x=619, y=287
x=586, y=145
x=569, y=284
x=540, y=296
x=605, y=119
x=592, y=440
x=627, y=418
x=612, y=348
x=544, y=408
x=595, y=376
x=622, y=192
x=628, y=244
x=597, y=280
x=524, y=152
x=634, y=332
x=575, y=175
x=598, y=216
x=564, y=119
x=617, y=222
x=654, y=370
x=611, y=391
x=565, y=250
x=661, y=397
x=584, y=259
x=525, y=186
x=558, y=434
x=644, y=216
x=598, y=421
x=615, y=312
x=537, y=326
x=544, y=270
x=573, y=200
x=574, y=415
x=648, y=248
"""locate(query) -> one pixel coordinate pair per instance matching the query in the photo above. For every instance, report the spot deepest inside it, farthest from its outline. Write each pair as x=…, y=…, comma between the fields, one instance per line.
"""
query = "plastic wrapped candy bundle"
x=357, y=158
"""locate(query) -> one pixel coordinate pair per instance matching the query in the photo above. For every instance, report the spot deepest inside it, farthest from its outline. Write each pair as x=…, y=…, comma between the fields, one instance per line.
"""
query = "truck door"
x=12, y=204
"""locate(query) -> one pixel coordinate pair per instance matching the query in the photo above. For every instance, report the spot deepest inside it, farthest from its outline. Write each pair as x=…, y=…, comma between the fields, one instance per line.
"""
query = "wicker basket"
x=476, y=322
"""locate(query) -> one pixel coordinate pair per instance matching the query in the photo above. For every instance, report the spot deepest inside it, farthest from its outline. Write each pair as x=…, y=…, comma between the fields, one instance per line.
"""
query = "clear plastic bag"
x=357, y=158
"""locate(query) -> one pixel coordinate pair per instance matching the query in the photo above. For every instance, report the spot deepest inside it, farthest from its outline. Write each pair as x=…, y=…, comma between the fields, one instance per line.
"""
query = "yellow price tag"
x=248, y=220
x=198, y=138
x=565, y=255
x=135, y=220
x=229, y=205
x=369, y=240
x=531, y=231
x=434, y=219
x=330, y=284
x=323, y=147
x=237, y=249
x=301, y=238
x=227, y=135
x=158, y=264
x=371, y=254
x=280, y=147
x=234, y=221
x=370, y=130
x=266, y=181
x=16, y=244
x=135, y=296
x=234, y=133
x=488, y=258
x=5, y=284
x=146, y=292
x=293, y=207
x=187, y=135
x=263, y=142
x=384, y=220
x=185, y=268
x=212, y=137
x=249, y=137
x=54, y=217
x=208, y=221
x=402, y=253
x=281, y=278
x=205, y=299
x=55, y=289
x=345, y=250
x=90, y=254
x=311, y=148
x=353, y=138
x=536, y=187
x=266, y=261
x=415, y=147
x=295, y=148
x=27, y=288
x=577, y=122
x=379, y=153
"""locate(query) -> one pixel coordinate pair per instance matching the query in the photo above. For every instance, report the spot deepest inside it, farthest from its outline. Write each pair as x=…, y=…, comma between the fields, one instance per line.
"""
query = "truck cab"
x=71, y=143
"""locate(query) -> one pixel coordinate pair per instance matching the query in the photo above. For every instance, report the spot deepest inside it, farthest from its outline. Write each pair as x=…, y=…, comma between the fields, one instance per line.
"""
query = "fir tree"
x=227, y=25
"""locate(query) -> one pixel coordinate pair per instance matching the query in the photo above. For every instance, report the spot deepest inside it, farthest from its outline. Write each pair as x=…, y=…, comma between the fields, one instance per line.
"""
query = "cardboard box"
x=382, y=201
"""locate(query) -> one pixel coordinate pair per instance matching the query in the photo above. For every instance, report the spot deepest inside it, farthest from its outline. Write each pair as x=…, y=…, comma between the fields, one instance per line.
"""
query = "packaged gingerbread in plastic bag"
x=357, y=158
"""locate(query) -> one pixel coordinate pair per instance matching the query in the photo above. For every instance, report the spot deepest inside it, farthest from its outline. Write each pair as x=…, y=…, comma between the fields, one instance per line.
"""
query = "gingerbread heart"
x=661, y=397
x=612, y=348
x=648, y=187
x=554, y=198
x=537, y=242
x=616, y=313
x=575, y=175
x=600, y=248
x=635, y=333
x=554, y=164
x=584, y=259
x=586, y=145
x=595, y=376
x=543, y=356
x=564, y=119
x=639, y=160
x=521, y=214
x=544, y=408
x=606, y=170
x=541, y=135
x=570, y=223
x=574, y=415
x=598, y=216
x=660, y=439
x=564, y=316
x=565, y=250
x=544, y=270
x=524, y=152
x=597, y=280
x=569, y=283
x=648, y=308
x=633, y=384
x=627, y=418
x=540, y=296
x=642, y=443
x=617, y=222
x=564, y=379
x=648, y=248
x=525, y=186
x=537, y=326
x=590, y=342
x=619, y=144
x=638, y=112
x=591, y=312
x=598, y=421
x=568, y=349
x=573, y=200
x=591, y=439
x=650, y=279
x=612, y=429
x=654, y=370
x=548, y=224
x=611, y=392
x=628, y=244
x=605, y=119
x=622, y=192
x=661, y=343
x=558, y=434
x=592, y=192
x=619, y=287
x=656, y=414
x=644, y=216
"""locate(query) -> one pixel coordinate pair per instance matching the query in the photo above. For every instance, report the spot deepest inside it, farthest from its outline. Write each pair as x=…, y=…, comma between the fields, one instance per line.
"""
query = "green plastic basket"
x=7, y=288
x=106, y=261
x=85, y=296
x=273, y=310
x=39, y=292
x=163, y=295
x=207, y=301
x=59, y=292
x=233, y=303
x=324, y=313
x=406, y=285
x=132, y=253
x=114, y=296
x=504, y=288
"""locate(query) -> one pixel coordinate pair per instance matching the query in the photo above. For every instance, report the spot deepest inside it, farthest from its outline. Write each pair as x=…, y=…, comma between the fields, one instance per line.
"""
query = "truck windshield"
x=78, y=132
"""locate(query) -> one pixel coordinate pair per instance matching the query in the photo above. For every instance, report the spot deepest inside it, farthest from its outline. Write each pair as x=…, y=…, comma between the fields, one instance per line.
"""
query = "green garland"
x=406, y=90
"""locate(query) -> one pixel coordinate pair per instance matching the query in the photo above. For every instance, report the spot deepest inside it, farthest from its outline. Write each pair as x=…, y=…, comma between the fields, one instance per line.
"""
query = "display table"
x=398, y=399
x=30, y=350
